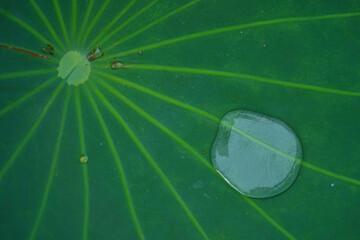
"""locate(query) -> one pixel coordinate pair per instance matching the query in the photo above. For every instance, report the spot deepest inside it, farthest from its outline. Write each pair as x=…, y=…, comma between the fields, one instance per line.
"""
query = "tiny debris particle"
x=203, y=151
x=83, y=159
x=332, y=185
x=51, y=47
x=140, y=52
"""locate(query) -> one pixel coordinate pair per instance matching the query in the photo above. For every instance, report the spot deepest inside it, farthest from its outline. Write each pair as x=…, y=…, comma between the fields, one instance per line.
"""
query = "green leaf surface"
x=147, y=130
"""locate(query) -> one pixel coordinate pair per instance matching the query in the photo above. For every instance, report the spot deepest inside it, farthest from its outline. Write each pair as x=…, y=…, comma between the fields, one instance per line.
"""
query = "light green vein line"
x=129, y=20
x=189, y=148
x=118, y=165
x=27, y=96
x=215, y=120
x=85, y=20
x=269, y=219
x=150, y=160
x=80, y=124
x=8, y=76
x=52, y=169
x=234, y=28
x=86, y=202
x=47, y=24
x=25, y=26
x=244, y=76
x=247, y=77
x=61, y=21
x=115, y=19
x=155, y=94
x=73, y=19
x=84, y=166
x=331, y=174
x=25, y=140
x=94, y=21
x=153, y=23
x=155, y=122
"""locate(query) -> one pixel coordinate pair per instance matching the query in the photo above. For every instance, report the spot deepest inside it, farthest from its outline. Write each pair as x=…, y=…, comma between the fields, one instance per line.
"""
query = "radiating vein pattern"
x=20, y=74
x=119, y=166
x=245, y=77
x=233, y=28
x=25, y=26
x=61, y=21
x=215, y=120
x=84, y=166
x=85, y=19
x=152, y=24
x=27, y=96
x=32, y=130
x=129, y=20
x=85, y=27
x=47, y=24
x=151, y=161
x=73, y=19
x=52, y=168
x=186, y=146
x=115, y=19
x=95, y=20
x=155, y=122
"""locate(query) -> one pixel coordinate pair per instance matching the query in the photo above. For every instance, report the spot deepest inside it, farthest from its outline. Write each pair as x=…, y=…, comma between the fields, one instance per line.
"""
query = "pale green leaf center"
x=74, y=67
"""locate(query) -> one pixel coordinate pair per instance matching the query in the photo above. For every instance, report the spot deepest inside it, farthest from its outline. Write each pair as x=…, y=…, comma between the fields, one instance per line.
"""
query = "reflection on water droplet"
x=258, y=155
x=83, y=159
x=95, y=53
x=118, y=64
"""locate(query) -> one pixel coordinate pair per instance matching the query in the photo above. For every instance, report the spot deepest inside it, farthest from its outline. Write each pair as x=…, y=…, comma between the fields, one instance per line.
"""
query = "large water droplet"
x=258, y=155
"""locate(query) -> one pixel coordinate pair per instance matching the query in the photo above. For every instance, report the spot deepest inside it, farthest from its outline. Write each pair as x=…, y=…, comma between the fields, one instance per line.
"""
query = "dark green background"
x=312, y=52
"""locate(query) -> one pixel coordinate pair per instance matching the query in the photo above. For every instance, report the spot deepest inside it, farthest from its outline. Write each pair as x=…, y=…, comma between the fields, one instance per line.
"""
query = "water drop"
x=198, y=184
x=95, y=53
x=258, y=155
x=118, y=64
x=203, y=151
x=47, y=51
x=83, y=159
x=140, y=52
